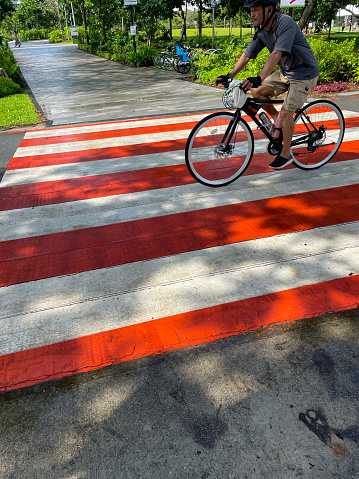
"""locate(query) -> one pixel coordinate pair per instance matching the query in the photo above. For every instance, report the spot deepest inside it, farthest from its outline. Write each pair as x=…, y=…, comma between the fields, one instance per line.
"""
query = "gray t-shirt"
x=297, y=61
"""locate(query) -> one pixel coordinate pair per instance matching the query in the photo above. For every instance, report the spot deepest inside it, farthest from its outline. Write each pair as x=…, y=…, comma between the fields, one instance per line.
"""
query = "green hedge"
x=40, y=34
x=55, y=36
x=119, y=48
x=8, y=87
x=338, y=61
x=8, y=63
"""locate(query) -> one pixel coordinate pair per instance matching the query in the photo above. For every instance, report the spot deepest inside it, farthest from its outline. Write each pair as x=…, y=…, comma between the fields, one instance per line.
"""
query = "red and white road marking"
x=110, y=251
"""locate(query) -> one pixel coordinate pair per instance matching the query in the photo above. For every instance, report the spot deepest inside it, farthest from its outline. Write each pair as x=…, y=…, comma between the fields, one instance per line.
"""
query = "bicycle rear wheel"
x=207, y=159
x=318, y=134
x=181, y=66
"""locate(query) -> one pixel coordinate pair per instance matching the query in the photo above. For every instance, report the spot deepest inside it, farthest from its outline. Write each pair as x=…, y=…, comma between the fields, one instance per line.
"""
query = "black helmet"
x=260, y=3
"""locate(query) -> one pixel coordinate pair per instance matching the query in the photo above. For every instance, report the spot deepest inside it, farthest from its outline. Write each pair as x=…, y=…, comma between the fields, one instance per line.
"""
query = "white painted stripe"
x=148, y=204
x=72, y=306
x=114, y=126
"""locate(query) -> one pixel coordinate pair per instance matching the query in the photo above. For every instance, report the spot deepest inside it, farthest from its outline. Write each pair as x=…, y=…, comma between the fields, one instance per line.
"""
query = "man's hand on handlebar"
x=251, y=82
x=224, y=79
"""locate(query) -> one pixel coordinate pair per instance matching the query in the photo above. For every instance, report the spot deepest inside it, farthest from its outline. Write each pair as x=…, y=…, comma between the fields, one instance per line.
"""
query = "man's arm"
x=270, y=64
x=240, y=65
x=268, y=68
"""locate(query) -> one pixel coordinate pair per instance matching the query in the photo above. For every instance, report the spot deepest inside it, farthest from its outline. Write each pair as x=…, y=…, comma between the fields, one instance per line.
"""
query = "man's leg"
x=266, y=92
x=288, y=131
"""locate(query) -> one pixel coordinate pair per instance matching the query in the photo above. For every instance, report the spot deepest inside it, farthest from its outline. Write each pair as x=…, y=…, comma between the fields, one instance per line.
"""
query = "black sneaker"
x=280, y=162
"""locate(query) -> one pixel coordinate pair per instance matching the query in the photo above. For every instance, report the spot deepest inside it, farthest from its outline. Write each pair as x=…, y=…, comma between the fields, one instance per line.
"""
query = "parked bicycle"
x=174, y=57
x=220, y=147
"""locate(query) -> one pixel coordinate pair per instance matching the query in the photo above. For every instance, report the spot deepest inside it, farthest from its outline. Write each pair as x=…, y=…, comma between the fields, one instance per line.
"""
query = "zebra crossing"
x=109, y=250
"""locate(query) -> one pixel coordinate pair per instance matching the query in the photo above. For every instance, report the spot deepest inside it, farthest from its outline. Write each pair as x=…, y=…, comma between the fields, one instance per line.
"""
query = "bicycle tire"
x=181, y=66
x=167, y=62
x=205, y=160
x=175, y=64
x=157, y=60
x=324, y=141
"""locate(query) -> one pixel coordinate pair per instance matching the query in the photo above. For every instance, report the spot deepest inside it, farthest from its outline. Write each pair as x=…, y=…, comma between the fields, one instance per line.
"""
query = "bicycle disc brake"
x=221, y=151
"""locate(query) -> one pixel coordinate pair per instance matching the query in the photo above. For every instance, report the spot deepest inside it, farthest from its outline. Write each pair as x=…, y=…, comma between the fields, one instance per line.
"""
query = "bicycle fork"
x=225, y=145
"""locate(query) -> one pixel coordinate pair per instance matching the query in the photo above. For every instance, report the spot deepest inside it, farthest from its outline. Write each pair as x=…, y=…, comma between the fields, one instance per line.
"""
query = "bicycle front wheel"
x=318, y=134
x=210, y=157
x=157, y=60
x=167, y=62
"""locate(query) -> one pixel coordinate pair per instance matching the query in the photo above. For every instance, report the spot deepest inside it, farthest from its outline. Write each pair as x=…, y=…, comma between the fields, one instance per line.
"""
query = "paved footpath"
x=72, y=86
x=111, y=256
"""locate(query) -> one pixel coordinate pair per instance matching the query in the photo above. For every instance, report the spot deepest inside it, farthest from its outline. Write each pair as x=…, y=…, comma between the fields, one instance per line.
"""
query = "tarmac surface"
x=277, y=402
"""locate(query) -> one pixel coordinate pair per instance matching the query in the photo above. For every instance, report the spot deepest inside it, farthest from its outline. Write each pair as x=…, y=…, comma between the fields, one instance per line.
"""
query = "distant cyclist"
x=298, y=73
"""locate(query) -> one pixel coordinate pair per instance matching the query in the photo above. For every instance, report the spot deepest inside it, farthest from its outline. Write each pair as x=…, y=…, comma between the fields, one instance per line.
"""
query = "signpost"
x=133, y=27
x=292, y=3
x=213, y=6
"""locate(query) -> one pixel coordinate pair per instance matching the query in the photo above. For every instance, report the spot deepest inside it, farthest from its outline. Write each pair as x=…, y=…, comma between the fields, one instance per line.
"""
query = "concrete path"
x=73, y=86
x=105, y=231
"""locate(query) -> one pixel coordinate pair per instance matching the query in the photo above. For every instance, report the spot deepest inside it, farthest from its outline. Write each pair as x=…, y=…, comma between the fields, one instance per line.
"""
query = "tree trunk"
x=200, y=9
x=84, y=21
x=307, y=13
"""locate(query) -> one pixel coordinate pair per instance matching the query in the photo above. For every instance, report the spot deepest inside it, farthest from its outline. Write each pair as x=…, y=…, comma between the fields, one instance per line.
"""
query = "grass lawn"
x=218, y=32
x=17, y=110
x=335, y=35
x=223, y=32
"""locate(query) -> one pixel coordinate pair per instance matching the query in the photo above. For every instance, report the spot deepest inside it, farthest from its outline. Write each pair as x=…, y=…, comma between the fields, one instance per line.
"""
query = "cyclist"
x=298, y=73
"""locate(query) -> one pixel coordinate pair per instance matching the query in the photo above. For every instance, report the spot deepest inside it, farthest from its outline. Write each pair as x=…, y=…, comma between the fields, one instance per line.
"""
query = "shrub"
x=8, y=87
x=332, y=87
x=142, y=57
x=55, y=36
x=338, y=61
x=8, y=63
x=34, y=34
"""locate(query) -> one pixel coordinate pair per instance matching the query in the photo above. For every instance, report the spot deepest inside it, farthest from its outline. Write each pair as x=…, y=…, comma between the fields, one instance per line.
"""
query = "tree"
x=321, y=11
x=149, y=12
x=6, y=7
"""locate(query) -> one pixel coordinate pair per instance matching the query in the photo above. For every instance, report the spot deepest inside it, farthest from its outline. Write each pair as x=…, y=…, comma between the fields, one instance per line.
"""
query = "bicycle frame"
x=250, y=108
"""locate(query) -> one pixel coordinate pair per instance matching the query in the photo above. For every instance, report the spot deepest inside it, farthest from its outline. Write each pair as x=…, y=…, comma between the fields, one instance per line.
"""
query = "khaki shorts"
x=297, y=90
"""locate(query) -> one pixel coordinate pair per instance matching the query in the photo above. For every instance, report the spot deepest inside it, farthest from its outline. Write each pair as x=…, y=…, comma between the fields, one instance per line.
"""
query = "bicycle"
x=173, y=58
x=220, y=147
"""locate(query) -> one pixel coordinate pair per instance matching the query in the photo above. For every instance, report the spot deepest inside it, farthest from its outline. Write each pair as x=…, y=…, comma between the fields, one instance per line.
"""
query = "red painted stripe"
x=75, y=189
x=62, y=191
x=89, y=353
x=135, y=120
x=33, y=258
x=67, y=157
